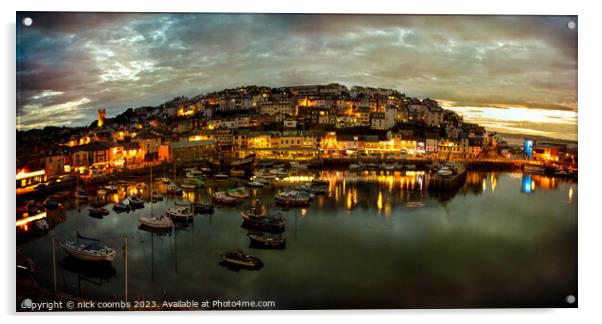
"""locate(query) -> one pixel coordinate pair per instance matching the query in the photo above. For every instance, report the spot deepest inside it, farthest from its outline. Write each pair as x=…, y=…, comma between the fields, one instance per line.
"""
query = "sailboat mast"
x=151, y=189
x=77, y=206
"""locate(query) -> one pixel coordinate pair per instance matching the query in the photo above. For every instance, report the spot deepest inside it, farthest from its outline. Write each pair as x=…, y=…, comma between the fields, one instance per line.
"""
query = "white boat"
x=179, y=213
x=162, y=222
x=93, y=252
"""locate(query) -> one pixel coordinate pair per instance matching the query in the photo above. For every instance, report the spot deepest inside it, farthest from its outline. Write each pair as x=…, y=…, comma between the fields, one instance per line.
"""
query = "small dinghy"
x=273, y=224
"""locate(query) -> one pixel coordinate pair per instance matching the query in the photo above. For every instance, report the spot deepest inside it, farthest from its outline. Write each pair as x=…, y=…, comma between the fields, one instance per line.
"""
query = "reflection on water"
x=489, y=244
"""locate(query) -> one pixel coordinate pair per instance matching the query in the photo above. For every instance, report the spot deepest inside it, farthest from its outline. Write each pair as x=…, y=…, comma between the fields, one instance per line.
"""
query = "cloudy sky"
x=514, y=74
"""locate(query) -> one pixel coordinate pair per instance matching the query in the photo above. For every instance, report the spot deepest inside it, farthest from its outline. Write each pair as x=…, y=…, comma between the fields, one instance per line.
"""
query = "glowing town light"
x=23, y=174
x=27, y=220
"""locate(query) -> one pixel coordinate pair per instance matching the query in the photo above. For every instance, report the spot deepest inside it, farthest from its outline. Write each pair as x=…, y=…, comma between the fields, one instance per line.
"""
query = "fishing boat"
x=267, y=240
x=293, y=199
x=98, y=212
x=92, y=252
x=222, y=198
x=273, y=224
x=534, y=168
x=258, y=211
x=203, y=208
x=240, y=260
x=239, y=193
x=162, y=222
x=180, y=213
x=136, y=202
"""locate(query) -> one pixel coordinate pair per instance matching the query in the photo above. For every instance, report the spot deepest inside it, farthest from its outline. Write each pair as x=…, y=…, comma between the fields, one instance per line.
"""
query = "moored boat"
x=180, y=213
x=92, y=252
x=136, y=202
x=203, y=208
x=293, y=199
x=165, y=180
x=122, y=206
x=162, y=222
x=222, y=198
x=240, y=260
x=273, y=224
x=258, y=211
x=267, y=240
x=239, y=193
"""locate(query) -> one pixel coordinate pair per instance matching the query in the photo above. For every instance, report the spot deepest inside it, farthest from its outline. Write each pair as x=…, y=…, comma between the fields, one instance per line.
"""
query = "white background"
x=590, y=213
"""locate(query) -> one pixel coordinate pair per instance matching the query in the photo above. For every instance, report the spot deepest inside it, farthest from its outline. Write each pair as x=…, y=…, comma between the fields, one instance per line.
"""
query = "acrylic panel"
x=223, y=161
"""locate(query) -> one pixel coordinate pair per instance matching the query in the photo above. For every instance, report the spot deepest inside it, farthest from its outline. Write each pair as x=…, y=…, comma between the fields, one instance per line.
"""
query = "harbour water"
x=375, y=240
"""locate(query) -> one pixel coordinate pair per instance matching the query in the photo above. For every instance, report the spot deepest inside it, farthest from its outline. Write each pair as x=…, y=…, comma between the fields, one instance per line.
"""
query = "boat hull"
x=89, y=257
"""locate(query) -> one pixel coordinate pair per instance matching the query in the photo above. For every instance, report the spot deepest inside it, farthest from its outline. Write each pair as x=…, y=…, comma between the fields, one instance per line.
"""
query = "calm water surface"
x=375, y=241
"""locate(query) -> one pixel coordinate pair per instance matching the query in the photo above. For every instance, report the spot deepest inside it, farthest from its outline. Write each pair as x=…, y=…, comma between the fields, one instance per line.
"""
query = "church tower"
x=102, y=115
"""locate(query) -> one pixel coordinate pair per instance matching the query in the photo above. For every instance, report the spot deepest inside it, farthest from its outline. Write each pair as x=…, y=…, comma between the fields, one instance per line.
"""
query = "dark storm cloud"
x=75, y=63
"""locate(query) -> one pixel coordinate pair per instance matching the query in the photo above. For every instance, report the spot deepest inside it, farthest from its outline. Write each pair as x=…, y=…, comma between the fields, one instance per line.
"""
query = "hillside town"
x=296, y=123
